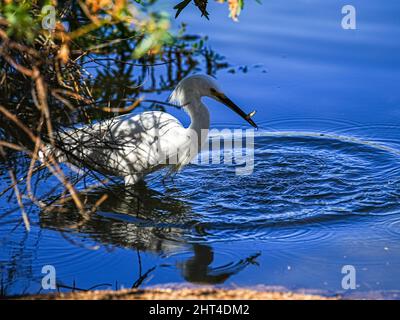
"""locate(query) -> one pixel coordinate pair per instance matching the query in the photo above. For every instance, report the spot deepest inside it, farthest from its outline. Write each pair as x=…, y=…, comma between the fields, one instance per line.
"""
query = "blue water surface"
x=324, y=193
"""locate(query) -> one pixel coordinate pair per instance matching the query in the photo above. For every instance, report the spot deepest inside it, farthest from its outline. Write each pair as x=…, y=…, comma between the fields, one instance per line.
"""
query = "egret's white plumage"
x=132, y=146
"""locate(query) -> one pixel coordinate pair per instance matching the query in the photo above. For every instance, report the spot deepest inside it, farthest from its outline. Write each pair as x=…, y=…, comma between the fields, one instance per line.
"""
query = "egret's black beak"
x=229, y=103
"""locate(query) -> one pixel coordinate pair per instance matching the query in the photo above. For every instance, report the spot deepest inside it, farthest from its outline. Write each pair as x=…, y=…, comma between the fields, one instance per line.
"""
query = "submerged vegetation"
x=70, y=62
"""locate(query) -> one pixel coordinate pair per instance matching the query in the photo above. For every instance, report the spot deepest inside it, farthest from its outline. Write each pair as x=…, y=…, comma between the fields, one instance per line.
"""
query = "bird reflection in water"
x=143, y=219
x=197, y=269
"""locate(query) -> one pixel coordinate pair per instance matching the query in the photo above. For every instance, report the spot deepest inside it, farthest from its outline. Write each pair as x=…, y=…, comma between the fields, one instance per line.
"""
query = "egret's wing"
x=124, y=145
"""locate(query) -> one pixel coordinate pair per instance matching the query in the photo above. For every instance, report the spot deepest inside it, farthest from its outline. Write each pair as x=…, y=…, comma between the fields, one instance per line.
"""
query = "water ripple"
x=298, y=179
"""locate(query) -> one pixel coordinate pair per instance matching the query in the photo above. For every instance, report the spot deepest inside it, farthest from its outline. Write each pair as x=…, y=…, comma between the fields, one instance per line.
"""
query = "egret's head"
x=197, y=86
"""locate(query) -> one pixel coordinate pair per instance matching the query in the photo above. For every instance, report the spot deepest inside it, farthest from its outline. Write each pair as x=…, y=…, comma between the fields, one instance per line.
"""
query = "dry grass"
x=179, y=294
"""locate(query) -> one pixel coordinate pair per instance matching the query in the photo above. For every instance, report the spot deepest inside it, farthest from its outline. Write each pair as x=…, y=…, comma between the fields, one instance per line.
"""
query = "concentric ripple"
x=300, y=182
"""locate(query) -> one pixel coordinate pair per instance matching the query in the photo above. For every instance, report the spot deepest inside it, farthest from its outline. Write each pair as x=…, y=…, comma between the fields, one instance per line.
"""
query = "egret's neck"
x=200, y=117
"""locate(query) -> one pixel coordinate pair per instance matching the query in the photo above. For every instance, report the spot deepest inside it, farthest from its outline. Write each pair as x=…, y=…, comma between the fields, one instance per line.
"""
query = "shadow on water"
x=143, y=219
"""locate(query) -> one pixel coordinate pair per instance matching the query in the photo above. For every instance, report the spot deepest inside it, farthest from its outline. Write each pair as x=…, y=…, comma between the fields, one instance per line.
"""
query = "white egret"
x=131, y=146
